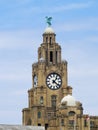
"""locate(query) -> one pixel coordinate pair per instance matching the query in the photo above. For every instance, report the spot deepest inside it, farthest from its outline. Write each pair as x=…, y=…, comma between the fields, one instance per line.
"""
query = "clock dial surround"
x=54, y=81
x=35, y=81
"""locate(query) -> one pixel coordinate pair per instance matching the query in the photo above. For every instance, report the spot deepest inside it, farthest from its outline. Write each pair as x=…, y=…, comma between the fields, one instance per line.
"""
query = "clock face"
x=54, y=81
x=35, y=81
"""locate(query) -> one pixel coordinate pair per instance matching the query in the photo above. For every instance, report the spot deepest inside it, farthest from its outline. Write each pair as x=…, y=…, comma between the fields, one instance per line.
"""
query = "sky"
x=22, y=23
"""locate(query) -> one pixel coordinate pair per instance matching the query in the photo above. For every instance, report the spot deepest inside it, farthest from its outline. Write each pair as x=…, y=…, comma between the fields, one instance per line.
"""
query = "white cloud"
x=19, y=40
x=90, y=24
x=20, y=92
x=13, y=39
x=72, y=6
x=13, y=77
x=15, y=70
x=83, y=71
x=11, y=116
x=93, y=39
x=58, y=8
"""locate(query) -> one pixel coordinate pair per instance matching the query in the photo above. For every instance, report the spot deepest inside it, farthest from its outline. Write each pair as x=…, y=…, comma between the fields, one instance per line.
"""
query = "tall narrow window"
x=56, y=56
x=85, y=123
x=46, y=126
x=71, y=122
x=41, y=100
x=92, y=124
x=50, y=40
x=51, y=56
x=39, y=114
x=62, y=122
x=46, y=39
x=46, y=58
x=53, y=101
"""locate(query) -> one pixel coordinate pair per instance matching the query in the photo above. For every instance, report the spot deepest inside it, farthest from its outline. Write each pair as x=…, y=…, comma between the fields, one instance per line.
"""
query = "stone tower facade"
x=51, y=103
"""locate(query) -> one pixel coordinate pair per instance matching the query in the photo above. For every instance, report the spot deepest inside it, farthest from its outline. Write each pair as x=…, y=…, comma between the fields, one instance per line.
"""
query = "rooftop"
x=20, y=127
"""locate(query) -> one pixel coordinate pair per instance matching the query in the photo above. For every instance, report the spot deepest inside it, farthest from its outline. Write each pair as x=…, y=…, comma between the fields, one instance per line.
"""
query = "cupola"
x=69, y=100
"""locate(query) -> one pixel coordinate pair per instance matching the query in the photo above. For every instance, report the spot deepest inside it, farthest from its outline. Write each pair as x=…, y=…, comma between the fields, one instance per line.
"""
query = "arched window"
x=46, y=39
x=51, y=56
x=71, y=122
x=53, y=101
x=73, y=119
x=92, y=124
x=50, y=40
x=62, y=122
x=39, y=114
x=85, y=123
x=71, y=113
x=41, y=100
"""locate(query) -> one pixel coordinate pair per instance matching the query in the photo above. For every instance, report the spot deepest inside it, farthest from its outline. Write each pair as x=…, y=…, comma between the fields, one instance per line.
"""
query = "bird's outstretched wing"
x=48, y=20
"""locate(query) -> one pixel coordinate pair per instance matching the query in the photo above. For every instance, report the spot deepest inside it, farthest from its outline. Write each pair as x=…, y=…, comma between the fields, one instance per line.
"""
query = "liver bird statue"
x=48, y=20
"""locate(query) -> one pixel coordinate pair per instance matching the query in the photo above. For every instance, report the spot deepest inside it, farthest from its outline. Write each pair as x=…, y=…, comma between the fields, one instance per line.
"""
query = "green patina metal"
x=48, y=20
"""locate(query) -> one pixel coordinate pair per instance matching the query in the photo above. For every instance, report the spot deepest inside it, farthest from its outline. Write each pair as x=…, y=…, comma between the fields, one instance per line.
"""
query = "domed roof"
x=70, y=100
x=49, y=30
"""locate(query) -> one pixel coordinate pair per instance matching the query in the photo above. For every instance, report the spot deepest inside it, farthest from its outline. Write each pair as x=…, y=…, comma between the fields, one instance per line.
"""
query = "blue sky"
x=22, y=23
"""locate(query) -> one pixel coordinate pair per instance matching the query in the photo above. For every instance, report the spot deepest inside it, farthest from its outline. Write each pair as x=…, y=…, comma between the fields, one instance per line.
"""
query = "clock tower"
x=49, y=82
x=50, y=100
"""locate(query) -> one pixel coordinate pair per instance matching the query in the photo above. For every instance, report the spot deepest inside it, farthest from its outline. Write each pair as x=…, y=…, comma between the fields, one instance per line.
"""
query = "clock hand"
x=56, y=77
x=55, y=82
